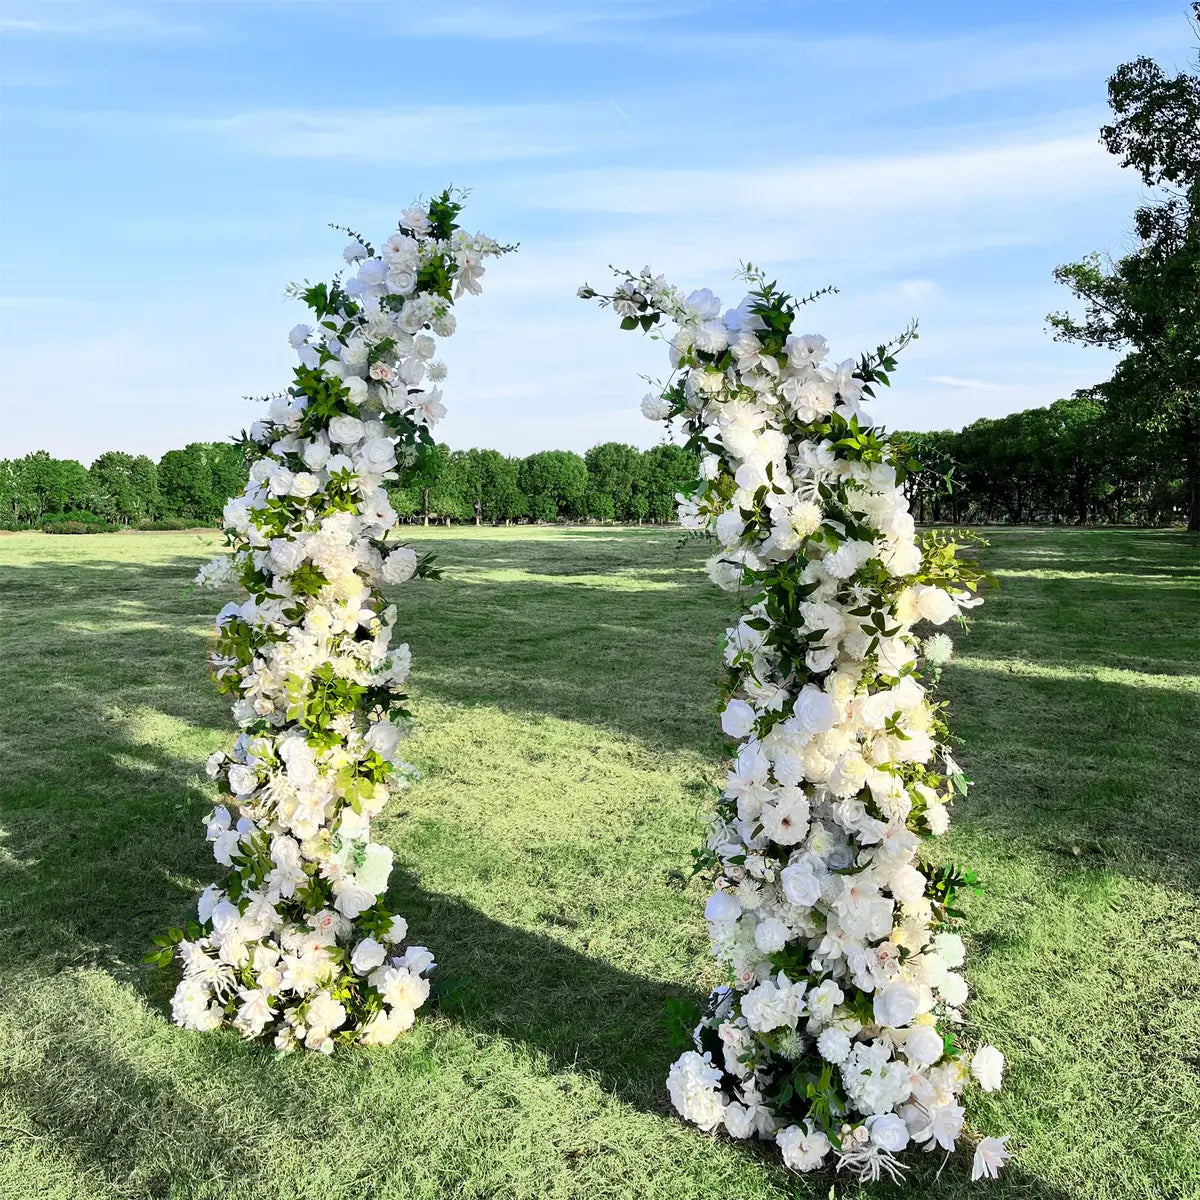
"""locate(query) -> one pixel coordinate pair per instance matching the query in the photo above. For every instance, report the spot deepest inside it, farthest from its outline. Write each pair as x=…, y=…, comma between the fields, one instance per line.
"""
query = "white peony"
x=655, y=408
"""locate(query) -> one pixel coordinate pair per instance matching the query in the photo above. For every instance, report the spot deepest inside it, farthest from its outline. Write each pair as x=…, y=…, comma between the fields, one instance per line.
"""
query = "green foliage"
x=1078, y=461
x=1148, y=302
x=556, y=482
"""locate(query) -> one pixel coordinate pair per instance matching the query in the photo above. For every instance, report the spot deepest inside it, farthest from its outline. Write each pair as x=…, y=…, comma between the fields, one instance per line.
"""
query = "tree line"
x=1077, y=461
x=611, y=482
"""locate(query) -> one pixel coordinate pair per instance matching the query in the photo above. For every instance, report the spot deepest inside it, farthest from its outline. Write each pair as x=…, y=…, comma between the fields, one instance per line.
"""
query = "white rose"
x=242, y=779
x=401, y=280
x=383, y=737
x=888, y=1132
x=286, y=556
x=299, y=335
x=987, y=1065
x=815, y=710
x=896, y=1005
x=379, y=453
x=397, y=931
x=352, y=898
x=368, y=955
x=738, y=719
x=400, y=565
x=923, y=1045
x=357, y=389
x=305, y=484
x=722, y=906
x=281, y=481
x=800, y=885
x=934, y=605
x=316, y=454
x=345, y=430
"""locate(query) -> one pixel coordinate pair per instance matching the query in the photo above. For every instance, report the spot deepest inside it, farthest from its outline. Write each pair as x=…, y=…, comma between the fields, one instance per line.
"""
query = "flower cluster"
x=296, y=944
x=838, y=1032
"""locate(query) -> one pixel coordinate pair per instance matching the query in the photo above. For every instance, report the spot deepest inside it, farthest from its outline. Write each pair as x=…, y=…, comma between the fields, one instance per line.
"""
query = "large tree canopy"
x=1148, y=302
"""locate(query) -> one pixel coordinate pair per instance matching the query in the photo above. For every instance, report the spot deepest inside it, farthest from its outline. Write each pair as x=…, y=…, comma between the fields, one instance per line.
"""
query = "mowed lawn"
x=565, y=684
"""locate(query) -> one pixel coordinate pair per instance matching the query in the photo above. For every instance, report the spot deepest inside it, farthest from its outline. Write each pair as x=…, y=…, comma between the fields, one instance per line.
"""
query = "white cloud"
x=418, y=136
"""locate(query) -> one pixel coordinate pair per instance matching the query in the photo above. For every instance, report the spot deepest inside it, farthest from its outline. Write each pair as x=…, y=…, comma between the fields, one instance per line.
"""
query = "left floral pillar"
x=295, y=944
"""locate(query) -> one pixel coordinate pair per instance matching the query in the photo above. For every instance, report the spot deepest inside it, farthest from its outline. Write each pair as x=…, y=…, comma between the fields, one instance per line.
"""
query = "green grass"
x=565, y=685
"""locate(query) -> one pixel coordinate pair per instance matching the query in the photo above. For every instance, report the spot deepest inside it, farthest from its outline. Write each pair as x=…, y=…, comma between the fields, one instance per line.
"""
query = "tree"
x=1148, y=302
x=448, y=495
x=143, y=476
x=555, y=482
x=489, y=483
x=431, y=461
x=185, y=483
x=117, y=478
x=666, y=471
x=196, y=482
x=41, y=484
x=613, y=470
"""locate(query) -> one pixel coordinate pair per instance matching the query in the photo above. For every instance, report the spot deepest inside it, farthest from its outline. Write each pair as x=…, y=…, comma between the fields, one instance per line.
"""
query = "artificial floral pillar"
x=841, y=1029
x=295, y=943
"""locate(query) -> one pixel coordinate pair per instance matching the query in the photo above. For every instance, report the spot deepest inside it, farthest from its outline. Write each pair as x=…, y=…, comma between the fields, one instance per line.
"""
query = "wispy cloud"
x=971, y=385
x=1028, y=170
x=418, y=136
x=553, y=22
x=90, y=19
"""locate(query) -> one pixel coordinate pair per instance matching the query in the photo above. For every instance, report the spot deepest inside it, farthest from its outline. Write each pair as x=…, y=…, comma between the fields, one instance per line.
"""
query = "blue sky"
x=169, y=166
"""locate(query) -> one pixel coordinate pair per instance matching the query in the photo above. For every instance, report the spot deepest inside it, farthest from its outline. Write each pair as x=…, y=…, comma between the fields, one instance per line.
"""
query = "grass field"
x=565, y=685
